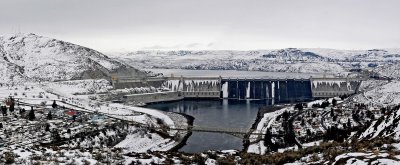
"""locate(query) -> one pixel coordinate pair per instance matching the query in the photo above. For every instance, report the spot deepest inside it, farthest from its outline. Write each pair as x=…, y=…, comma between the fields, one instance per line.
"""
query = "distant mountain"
x=33, y=57
x=376, y=55
x=293, y=54
x=281, y=54
x=281, y=60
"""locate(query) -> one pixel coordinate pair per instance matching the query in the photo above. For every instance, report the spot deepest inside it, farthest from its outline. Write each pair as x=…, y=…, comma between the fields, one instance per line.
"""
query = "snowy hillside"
x=34, y=57
x=388, y=70
x=376, y=55
x=383, y=94
x=282, y=60
x=293, y=54
x=385, y=126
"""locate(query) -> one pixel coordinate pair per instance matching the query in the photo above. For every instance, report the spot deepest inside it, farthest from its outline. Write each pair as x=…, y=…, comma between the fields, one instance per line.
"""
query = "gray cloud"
x=227, y=24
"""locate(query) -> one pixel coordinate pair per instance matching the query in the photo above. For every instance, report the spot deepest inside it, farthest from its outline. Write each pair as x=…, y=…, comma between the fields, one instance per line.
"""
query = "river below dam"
x=215, y=114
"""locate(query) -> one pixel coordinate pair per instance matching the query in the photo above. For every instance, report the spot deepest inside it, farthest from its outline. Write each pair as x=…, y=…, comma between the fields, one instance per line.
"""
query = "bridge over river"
x=238, y=132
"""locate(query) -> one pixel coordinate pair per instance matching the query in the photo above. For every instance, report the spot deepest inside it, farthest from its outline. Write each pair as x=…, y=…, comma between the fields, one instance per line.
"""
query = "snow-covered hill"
x=386, y=126
x=379, y=93
x=282, y=60
x=33, y=57
x=388, y=70
x=293, y=54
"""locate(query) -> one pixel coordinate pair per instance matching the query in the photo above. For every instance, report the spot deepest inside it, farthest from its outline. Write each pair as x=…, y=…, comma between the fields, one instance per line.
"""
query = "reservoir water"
x=216, y=114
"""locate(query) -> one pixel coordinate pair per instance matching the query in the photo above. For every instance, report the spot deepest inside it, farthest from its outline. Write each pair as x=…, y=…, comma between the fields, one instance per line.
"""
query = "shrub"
x=9, y=157
x=99, y=157
x=85, y=162
x=315, y=157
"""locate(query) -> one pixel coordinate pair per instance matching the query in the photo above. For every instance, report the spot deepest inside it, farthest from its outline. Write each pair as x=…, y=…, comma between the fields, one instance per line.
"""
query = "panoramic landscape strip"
x=199, y=82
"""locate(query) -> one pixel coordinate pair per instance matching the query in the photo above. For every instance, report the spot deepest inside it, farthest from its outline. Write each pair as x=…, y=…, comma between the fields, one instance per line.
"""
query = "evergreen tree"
x=4, y=110
x=32, y=115
x=47, y=129
x=278, y=117
x=316, y=105
x=268, y=141
x=54, y=105
x=299, y=106
x=309, y=132
x=348, y=123
x=303, y=123
x=285, y=115
x=49, y=116
x=334, y=102
x=325, y=104
x=12, y=105
x=356, y=116
x=56, y=136
x=383, y=110
x=370, y=115
x=314, y=115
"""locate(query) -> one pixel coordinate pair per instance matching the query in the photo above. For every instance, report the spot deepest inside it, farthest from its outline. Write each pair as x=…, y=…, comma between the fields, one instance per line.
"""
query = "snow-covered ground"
x=263, y=125
x=45, y=93
x=144, y=143
x=379, y=93
x=355, y=158
x=267, y=123
x=387, y=126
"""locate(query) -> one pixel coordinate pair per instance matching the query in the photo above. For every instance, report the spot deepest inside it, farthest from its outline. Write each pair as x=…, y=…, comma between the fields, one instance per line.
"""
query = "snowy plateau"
x=62, y=110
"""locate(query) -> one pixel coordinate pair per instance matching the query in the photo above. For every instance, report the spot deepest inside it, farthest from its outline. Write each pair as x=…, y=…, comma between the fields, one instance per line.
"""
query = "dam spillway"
x=282, y=90
x=287, y=90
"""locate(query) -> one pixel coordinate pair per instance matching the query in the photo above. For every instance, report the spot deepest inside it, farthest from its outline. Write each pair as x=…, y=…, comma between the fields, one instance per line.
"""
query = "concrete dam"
x=282, y=90
x=259, y=89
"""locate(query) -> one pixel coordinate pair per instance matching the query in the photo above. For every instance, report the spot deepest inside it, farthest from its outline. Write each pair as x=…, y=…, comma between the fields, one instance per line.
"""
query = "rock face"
x=35, y=58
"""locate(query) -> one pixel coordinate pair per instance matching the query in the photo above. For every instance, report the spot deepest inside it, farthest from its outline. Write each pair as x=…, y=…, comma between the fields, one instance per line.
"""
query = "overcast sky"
x=125, y=25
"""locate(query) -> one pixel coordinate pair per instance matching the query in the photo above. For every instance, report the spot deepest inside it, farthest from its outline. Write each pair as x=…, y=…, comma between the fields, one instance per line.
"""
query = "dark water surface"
x=215, y=113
